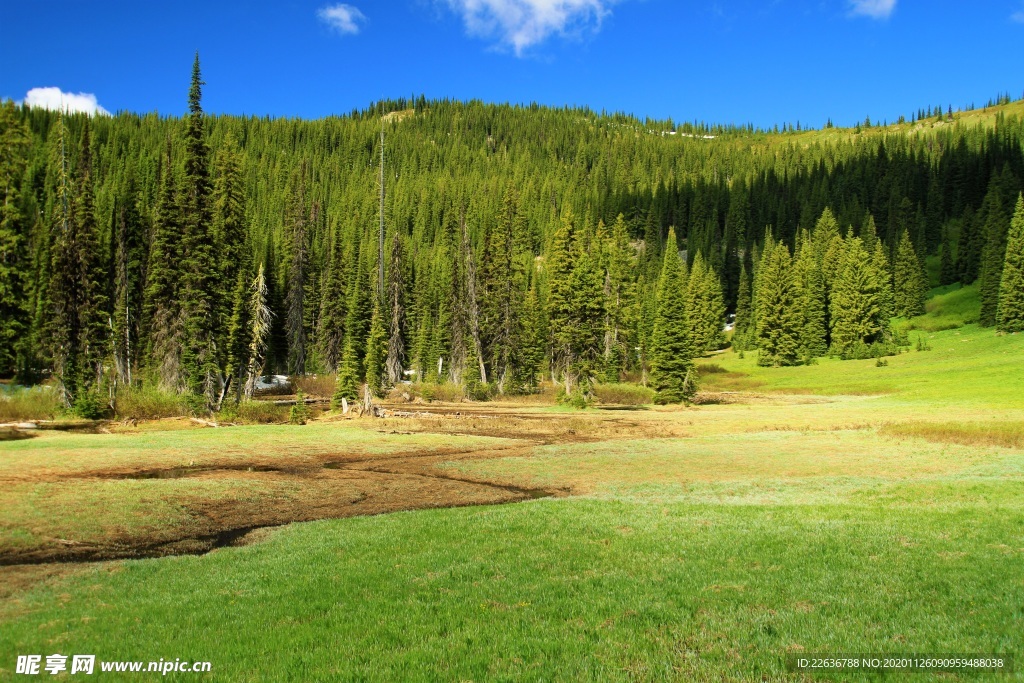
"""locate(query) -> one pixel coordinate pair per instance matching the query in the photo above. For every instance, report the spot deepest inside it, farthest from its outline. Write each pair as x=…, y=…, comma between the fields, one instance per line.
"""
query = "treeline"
x=520, y=242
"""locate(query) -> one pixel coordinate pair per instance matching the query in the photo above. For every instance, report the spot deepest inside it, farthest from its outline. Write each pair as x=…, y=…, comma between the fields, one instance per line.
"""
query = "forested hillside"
x=198, y=252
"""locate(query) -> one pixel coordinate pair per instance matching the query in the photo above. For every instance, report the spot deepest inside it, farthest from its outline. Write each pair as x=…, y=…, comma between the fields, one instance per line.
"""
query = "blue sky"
x=733, y=61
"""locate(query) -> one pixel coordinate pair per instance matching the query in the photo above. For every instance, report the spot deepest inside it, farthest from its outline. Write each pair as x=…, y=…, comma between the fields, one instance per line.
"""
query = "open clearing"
x=790, y=514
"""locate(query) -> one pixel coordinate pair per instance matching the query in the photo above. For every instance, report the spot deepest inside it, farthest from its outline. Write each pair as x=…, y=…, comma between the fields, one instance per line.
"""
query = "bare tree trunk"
x=474, y=312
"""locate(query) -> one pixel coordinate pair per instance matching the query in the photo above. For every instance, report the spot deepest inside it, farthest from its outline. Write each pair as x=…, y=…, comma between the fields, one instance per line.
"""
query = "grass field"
x=840, y=507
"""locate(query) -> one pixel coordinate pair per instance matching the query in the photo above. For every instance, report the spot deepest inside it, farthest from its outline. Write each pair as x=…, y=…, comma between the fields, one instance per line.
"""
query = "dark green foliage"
x=199, y=275
x=705, y=310
x=909, y=284
x=376, y=352
x=231, y=232
x=297, y=220
x=478, y=196
x=744, y=322
x=947, y=261
x=779, y=319
x=14, y=314
x=575, y=306
x=811, y=301
x=992, y=256
x=857, y=302
x=347, y=384
x=128, y=238
x=162, y=320
x=673, y=376
x=239, y=326
x=619, y=261
x=1011, y=291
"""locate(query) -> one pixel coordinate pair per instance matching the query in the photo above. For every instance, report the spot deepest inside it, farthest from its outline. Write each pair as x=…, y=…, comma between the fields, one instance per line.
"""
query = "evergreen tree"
x=575, y=305
x=376, y=352
x=618, y=298
x=129, y=259
x=673, y=375
x=947, y=262
x=162, y=320
x=705, y=310
x=298, y=269
x=531, y=350
x=90, y=278
x=14, y=144
x=810, y=300
x=857, y=316
x=1011, y=291
x=333, y=313
x=779, y=322
x=199, y=287
x=239, y=330
x=347, y=384
x=744, y=313
x=993, y=256
x=909, y=286
x=230, y=229
x=62, y=301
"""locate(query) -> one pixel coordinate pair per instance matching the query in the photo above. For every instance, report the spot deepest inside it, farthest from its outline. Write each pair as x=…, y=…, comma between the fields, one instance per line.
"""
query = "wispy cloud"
x=874, y=9
x=344, y=19
x=56, y=99
x=520, y=24
x=1018, y=16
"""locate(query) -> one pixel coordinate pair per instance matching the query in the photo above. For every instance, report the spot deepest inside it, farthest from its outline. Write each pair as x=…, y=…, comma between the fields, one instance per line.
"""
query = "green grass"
x=845, y=508
x=969, y=366
x=949, y=308
x=556, y=590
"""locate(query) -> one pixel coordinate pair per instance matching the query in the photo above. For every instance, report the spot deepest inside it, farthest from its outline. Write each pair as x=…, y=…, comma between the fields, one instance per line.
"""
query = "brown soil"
x=305, y=489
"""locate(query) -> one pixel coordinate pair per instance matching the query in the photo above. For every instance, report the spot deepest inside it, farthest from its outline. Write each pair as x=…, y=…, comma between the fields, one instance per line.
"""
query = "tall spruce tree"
x=62, y=300
x=128, y=235
x=705, y=309
x=857, y=316
x=200, y=283
x=909, y=285
x=744, y=312
x=346, y=385
x=230, y=230
x=810, y=300
x=14, y=144
x=779, y=321
x=575, y=306
x=619, y=265
x=376, y=352
x=297, y=224
x=331, y=333
x=90, y=276
x=993, y=255
x=673, y=376
x=1011, y=290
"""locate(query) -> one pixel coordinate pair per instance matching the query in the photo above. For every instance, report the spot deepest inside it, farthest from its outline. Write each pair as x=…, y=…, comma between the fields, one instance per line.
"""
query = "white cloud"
x=875, y=9
x=54, y=99
x=1018, y=16
x=520, y=24
x=343, y=18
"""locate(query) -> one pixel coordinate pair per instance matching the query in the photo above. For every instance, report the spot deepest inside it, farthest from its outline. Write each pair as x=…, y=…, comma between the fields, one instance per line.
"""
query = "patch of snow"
x=272, y=381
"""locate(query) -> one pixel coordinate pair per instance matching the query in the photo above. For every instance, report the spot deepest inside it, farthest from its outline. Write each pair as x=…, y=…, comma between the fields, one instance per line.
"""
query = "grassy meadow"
x=841, y=507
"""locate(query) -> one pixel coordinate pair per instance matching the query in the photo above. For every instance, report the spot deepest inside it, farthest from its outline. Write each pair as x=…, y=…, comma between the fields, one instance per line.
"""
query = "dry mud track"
x=336, y=487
